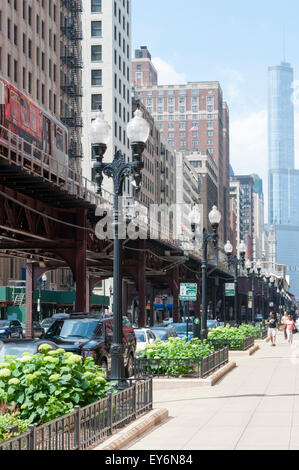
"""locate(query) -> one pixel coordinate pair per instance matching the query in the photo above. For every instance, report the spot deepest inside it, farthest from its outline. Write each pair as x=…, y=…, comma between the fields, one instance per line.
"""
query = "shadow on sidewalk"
x=252, y=395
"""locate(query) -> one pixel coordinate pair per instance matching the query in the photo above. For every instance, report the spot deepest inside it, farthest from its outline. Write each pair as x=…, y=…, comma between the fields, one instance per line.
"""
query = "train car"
x=39, y=129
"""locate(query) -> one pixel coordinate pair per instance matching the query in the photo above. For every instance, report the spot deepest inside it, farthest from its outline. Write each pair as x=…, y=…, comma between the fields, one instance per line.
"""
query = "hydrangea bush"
x=8, y=418
x=229, y=336
x=251, y=330
x=186, y=355
x=47, y=385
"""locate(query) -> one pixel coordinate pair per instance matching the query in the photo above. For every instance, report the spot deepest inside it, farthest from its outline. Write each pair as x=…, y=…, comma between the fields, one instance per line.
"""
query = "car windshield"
x=16, y=349
x=3, y=323
x=212, y=324
x=86, y=328
x=181, y=327
x=161, y=334
x=140, y=336
x=47, y=322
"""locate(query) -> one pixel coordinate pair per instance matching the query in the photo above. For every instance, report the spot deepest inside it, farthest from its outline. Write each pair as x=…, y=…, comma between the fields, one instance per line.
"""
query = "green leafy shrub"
x=174, y=357
x=10, y=417
x=229, y=336
x=49, y=384
x=251, y=330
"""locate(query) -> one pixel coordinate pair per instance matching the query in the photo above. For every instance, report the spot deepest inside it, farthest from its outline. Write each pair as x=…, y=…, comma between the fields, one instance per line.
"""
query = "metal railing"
x=39, y=163
x=213, y=361
x=264, y=333
x=197, y=368
x=236, y=344
x=88, y=426
x=33, y=160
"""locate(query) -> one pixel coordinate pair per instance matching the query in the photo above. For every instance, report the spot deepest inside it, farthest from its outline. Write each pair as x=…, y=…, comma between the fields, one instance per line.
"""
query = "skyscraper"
x=106, y=77
x=281, y=144
x=283, y=177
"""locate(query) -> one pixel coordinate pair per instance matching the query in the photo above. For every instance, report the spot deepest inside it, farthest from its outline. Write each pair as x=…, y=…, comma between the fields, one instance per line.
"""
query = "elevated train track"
x=48, y=218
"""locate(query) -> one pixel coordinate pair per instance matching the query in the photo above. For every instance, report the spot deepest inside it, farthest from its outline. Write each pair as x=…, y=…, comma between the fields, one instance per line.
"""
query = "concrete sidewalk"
x=256, y=406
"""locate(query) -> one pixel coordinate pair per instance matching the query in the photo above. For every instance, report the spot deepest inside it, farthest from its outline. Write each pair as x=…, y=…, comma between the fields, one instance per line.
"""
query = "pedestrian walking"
x=284, y=320
x=290, y=329
x=272, y=325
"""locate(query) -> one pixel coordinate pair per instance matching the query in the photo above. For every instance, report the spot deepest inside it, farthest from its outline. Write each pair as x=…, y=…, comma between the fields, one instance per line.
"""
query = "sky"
x=230, y=41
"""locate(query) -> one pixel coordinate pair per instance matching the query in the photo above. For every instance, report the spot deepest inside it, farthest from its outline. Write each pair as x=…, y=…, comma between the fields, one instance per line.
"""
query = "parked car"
x=164, y=333
x=11, y=329
x=91, y=335
x=38, y=330
x=144, y=337
x=47, y=322
x=181, y=329
x=17, y=348
x=211, y=324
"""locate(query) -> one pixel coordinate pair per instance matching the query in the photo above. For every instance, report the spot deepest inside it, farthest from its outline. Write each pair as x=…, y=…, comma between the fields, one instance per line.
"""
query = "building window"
x=96, y=28
x=96, y=6
x=96, y=53
x=96, y=77
x=96, y=102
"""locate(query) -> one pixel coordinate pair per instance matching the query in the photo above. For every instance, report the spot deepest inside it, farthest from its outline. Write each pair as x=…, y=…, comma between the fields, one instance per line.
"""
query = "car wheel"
x=104, y=366
x=130, y=367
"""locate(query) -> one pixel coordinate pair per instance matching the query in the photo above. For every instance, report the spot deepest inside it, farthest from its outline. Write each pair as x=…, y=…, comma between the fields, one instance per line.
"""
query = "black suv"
x=91, y=336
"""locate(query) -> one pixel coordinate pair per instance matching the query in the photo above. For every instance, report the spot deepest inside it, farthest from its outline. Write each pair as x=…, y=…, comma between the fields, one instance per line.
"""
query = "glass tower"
x=283, y=177
x=281, y=145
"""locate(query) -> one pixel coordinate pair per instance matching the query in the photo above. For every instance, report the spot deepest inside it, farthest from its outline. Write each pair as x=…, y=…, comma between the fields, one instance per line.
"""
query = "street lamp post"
x=265, y=283
x=215, y=219
x=253, y=271
x=41, y=284
x=138, y=132
x=235, y=262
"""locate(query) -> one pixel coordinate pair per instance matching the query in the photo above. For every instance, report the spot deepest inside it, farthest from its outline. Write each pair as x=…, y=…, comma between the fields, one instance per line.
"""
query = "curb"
x=253, y=349
x=210, y=381
x=221, y=373
x=134, y=430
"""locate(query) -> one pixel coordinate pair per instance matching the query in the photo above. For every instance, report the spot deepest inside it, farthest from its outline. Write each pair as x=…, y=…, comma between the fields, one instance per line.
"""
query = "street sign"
x=230, y=289
x=188, y=291
x=212, y=260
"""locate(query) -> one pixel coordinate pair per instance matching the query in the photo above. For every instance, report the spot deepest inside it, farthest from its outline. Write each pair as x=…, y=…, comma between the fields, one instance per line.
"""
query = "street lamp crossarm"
x=117, y=170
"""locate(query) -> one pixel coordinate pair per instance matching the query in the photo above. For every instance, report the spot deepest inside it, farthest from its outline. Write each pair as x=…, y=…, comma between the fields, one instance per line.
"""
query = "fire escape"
x=71, y=57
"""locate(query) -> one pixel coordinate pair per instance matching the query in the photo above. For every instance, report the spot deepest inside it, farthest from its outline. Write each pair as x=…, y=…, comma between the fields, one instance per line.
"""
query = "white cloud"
x=249, y=146
x=167, y=75
x=233, y=75
x=248, y=136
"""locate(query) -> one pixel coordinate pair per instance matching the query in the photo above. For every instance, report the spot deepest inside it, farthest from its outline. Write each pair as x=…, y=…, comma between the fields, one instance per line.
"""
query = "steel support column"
x=152, y=310
x=33, y=273
x=141, y=287
x=80, y=263
x=175, y=293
